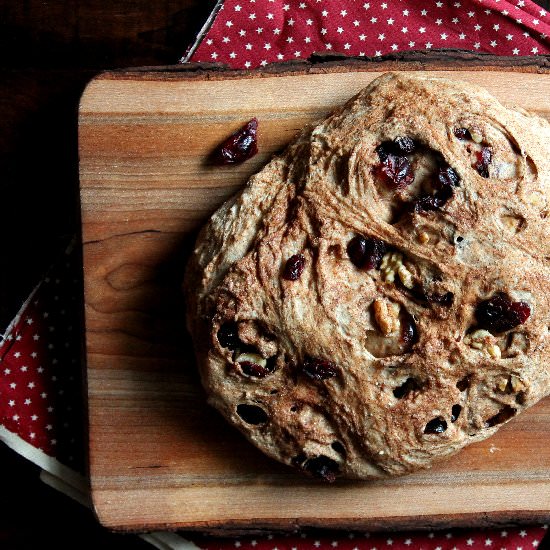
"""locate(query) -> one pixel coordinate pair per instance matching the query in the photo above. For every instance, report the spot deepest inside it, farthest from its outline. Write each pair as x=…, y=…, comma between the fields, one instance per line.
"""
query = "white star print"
x=477, y=45
x=32, y=435
x=394, y=47
x=347, y=46
x=232, y=55
x=11, y=403
x=422, y=30
x=34, y=417
x=343, y=13
x=378, y=53
x=27, y=401
x=411, y=44
x=390, y=21
x=404, y=30
x=366, y=6
x=229, y=23
x=389, y=542
x=242, y=32
x=238, y=8
x=374, y=19
x=456, y=19
x=428, y=45
x=24, y=368
x=356, y=23
x=536, y=21
x=339, y=30
x=307, y=39
x=334, y=543
x=477, y=27
x=15, y=417
x=493, y=43
x=384, y=6
x=267, y=46
x=469, y=542
x=509, y=36
x=260, y=30
x=324, y=13
x=381, y=36
x=471, y=14
x=439, y=4
x=424, y=12
x=17, y=355
x=443, y=36
x=328, y=46
x=535, y=50
x=13, y=385
x=462, y=36
x=408, y=542
x=277, y=31
x=439, y=21
x=362, y=37
x=291, y=21
x=488, y=542
x=496, y=27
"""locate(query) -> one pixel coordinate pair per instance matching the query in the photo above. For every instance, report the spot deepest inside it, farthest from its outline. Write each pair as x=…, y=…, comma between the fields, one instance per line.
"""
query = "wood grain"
x=159, y=457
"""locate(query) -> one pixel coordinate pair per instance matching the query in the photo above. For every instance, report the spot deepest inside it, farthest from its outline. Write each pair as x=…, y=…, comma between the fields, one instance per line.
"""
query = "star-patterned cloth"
x=250, y=33
x=516, y=538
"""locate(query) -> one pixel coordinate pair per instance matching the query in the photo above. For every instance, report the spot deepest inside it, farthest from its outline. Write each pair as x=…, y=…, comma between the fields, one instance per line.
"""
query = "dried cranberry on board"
x=500, y=313
x=294, y=267
x=239, y=146
x=366, y=252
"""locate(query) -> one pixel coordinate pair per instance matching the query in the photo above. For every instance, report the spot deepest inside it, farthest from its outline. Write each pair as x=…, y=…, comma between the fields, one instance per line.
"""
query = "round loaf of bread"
x=378, y=296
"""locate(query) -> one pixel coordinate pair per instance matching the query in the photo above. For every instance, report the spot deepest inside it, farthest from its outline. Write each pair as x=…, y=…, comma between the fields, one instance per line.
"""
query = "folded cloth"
x=251, y=33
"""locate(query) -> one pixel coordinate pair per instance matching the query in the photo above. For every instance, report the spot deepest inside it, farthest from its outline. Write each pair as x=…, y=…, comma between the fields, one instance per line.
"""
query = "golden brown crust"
x=370, y=417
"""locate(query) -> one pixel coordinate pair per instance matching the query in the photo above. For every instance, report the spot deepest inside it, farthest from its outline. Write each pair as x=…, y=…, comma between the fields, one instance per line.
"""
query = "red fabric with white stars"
x=41, y=394
x=252, y=33
x=517, y=538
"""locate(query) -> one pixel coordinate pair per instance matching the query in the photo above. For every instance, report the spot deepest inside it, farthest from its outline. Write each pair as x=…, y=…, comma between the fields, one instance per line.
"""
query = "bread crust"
x=371, y=418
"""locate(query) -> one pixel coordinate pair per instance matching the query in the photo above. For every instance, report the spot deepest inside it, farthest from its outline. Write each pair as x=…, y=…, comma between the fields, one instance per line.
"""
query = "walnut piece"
x=386, y=314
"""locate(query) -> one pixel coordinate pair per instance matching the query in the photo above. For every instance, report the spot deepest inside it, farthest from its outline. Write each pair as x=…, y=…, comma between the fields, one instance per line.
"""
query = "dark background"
x=49, y=50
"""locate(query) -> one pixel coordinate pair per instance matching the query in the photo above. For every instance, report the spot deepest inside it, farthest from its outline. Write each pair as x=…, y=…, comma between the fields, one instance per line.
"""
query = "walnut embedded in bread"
x=378, y=296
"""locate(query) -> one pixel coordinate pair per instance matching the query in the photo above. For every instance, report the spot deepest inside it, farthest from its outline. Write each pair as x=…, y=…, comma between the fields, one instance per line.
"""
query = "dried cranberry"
x=409, y=334
x=319, y=369
x=228, y=336
x=502, y=416
x=366, y=252
x=435, y=426
x=429, y=203
x=455, y=412
x=294, y=267
x=484, y=159
x=323, y=467
x=462, y=133
x=464, y=383
x=500, y=313
x=254, y=370
x=447, y=180
x=397, y=171
x=384, y=150
x=239, y=146
x=447, y=177
x=252, y=414
x=404, y=144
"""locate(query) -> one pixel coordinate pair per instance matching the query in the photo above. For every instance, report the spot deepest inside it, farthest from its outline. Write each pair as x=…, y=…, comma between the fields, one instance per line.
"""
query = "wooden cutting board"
x=161, y=458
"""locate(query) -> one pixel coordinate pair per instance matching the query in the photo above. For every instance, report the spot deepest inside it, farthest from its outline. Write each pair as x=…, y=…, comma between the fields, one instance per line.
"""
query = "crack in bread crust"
x=331, y=391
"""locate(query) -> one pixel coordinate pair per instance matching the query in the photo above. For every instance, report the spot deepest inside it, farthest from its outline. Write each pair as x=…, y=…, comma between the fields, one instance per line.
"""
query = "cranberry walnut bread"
x=378, y=296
